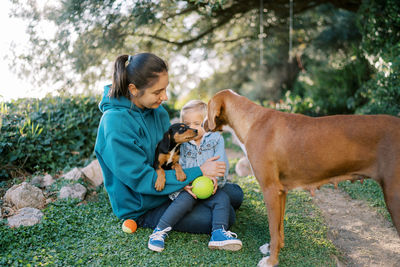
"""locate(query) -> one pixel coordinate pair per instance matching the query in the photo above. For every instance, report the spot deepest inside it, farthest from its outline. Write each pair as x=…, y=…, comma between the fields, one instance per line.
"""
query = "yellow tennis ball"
x=203, y=187
x=129, y=226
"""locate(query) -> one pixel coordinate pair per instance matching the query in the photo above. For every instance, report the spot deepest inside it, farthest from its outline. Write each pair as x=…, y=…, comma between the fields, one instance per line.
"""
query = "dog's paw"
x=180, y=176
x=264, y=263
x=160, y=183
x=265, y=249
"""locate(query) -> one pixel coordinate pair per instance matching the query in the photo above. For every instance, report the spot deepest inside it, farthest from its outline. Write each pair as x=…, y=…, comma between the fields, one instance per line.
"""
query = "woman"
x=132, y=124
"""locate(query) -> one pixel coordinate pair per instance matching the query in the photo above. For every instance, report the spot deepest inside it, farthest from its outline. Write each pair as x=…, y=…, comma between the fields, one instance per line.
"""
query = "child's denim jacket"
x=192, y=155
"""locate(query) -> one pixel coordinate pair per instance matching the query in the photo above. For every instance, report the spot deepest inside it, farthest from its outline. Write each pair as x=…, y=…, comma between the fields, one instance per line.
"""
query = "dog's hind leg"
x=282, y=196
x=391, y=191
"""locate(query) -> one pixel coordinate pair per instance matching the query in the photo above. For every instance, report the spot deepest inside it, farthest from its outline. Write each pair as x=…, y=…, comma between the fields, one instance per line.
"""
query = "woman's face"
x=153, y=96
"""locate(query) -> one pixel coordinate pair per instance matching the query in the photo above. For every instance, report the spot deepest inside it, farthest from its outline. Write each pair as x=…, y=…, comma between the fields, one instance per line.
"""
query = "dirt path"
x=364, y=237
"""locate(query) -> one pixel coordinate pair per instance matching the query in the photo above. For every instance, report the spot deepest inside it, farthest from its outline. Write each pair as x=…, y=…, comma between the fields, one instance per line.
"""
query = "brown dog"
x=291, y=150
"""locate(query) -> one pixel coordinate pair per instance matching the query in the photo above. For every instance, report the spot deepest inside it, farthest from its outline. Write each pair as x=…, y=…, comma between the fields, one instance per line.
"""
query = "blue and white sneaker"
x=156, y=239
x=222, y=239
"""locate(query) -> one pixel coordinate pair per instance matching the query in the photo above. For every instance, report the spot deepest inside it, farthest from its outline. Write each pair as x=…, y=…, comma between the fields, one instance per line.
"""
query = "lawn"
x=74, y=234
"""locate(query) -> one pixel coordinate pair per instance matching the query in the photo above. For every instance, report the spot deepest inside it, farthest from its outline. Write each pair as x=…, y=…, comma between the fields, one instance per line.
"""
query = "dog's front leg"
x=273, y=203
x=180, y=175
x=282, y=197
x=160, y=182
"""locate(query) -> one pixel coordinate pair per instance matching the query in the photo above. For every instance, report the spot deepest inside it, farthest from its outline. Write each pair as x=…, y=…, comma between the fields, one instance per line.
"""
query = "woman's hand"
x=213, y=168
x=188, y=189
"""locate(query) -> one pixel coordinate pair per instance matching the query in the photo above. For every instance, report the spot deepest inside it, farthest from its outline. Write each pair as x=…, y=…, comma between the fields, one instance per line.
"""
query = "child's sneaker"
x=156, y=241
x=221, y=239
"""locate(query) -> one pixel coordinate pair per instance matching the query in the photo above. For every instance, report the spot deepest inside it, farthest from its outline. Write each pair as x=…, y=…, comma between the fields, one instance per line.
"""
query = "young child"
x=195, y=153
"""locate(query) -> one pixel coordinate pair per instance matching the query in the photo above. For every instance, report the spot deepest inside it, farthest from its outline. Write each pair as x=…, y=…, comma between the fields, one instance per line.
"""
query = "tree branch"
x=186, y=42
x=242, y=7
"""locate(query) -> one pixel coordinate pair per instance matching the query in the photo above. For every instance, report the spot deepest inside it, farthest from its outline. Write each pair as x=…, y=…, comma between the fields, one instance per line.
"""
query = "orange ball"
x=129, y=226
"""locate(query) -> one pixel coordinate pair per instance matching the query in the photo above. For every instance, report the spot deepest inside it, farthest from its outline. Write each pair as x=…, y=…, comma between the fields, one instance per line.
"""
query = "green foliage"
x=382, y=93
x=47, y=135
x=351, y=77
x=295, y=104
x=223, y=33
x=332, y=88
x=89, y=234
x=379, y=23
x=172, y=112
x=229, y=142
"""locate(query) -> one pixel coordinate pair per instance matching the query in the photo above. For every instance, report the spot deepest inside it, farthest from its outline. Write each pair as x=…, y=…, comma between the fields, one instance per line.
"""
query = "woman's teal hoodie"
x=126, y=142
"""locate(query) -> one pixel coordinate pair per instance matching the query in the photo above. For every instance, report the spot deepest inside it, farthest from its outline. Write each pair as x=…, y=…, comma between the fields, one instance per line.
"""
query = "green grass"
x=89, y=234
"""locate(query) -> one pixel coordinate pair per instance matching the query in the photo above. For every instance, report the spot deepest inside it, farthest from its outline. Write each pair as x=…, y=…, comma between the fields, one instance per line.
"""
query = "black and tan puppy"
x=168, y=151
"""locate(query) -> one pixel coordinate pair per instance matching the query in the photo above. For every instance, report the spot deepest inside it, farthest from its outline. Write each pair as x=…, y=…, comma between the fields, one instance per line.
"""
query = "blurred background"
x=313, y=57
x=330, y=56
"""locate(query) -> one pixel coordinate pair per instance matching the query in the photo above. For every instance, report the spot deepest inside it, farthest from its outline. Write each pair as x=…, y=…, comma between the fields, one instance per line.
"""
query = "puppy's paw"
x=265, y=249
x=180, y=176
x=160, y=183
x=264, y=263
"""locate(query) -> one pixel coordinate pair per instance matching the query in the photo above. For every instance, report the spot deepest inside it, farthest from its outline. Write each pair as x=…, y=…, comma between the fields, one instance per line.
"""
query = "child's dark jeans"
x=187, y=214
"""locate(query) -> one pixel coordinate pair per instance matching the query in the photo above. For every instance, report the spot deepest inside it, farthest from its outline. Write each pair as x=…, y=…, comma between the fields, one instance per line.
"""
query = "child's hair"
x=142, y=70
x=194, y=105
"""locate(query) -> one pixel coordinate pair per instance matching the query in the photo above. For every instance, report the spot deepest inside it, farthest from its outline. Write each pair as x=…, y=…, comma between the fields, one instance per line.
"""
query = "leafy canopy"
x=88, y=35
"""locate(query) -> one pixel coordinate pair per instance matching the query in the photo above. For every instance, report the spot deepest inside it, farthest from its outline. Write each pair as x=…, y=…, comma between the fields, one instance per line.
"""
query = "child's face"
x=194, y=119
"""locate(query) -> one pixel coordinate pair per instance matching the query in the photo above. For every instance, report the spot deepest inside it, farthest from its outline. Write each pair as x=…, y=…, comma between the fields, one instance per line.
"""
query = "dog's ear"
x=169, y=135
x=214, y=110
x=164, y=143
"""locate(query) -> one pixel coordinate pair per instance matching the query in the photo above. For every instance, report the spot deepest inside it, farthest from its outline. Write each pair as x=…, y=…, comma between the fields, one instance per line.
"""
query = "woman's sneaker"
x=222, y=239
x=156, y=239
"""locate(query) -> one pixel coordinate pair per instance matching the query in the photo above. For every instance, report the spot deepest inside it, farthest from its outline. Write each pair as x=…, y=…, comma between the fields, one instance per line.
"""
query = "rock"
x=8, y=211
x=73, y=191
x=36, y=181
x=243, y=168
x=25, y=195
x=73, y=174
x=93, y=173
x=25, y=217
x=43, y=181
x=48, y=180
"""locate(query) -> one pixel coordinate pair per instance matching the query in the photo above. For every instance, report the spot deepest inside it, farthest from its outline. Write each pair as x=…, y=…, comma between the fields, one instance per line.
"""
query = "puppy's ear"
x=171, y=137
x=214, y=110
x=169, y=134
x=164, y=143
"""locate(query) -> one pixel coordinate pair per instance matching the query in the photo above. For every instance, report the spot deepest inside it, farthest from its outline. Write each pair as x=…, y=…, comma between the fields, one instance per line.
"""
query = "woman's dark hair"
x=142, y=70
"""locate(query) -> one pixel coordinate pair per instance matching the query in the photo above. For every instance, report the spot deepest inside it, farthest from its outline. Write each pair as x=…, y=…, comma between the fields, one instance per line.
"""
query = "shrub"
x=379, y=23
x=383, y=94
x=294, y=103
x=47, y=135
x=332, y=89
